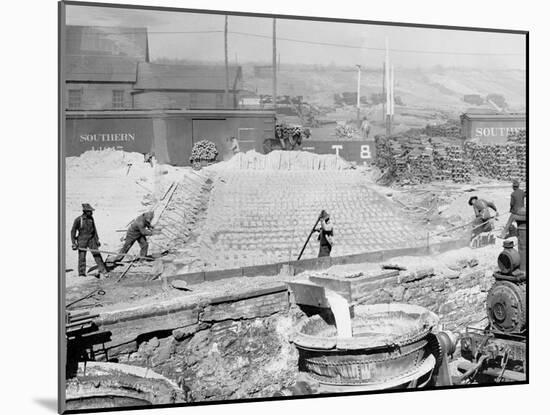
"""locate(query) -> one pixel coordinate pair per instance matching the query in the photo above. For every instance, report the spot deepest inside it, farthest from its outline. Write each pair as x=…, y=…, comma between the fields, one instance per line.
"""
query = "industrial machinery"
x=498, y=352
x=351, y=348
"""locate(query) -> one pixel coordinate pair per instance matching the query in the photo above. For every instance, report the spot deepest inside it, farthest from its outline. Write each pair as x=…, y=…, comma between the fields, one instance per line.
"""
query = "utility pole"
x=384, y=91
x=226, y=94
x=358, y=95
x=274, y=64
x=388, y=92
x=392, y=96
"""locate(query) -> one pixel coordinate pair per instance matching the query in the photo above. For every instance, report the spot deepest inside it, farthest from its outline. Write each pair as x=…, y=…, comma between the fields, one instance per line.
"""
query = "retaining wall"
x=296, y=267
x=238, y=346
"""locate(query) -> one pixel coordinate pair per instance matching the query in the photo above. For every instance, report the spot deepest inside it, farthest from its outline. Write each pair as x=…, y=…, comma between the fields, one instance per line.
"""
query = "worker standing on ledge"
x=365, y=127
x=138, y=231
x=516, y=203
x=84, y=236
x=326, y=234
x=482, y=221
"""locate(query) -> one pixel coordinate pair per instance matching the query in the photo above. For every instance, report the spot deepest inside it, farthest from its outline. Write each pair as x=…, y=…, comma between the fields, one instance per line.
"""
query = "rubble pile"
x=498, y=161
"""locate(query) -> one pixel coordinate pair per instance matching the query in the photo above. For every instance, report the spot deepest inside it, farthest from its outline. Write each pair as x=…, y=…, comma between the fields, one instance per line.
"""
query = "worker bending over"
x=84, y=236
x=326, y=234
x=138, y=231
x=482, y=221
x=516, y=203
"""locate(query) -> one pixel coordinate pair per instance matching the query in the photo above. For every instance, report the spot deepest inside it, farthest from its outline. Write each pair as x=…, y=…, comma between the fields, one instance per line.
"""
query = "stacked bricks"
x=451, y=163
x=451, y=129
x=498, y=161
x=261, y=217
x=519, y=137
x=179, y=220
x=422, y=159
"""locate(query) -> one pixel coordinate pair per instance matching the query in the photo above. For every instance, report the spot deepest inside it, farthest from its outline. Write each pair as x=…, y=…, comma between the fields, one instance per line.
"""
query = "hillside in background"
x=437, y=89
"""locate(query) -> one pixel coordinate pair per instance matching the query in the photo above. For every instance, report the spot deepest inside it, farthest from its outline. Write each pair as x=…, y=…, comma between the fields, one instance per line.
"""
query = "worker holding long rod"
x=84, y=237
x=325, y=235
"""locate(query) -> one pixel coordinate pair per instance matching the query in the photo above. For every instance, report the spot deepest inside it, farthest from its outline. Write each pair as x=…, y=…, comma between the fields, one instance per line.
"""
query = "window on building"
x=75, y=98
x=193, y=100
x=219, y=100
x=118, y=98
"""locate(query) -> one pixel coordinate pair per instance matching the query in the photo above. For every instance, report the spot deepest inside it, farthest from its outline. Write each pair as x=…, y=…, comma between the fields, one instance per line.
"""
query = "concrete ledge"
x=313, y=264
x=249, y=294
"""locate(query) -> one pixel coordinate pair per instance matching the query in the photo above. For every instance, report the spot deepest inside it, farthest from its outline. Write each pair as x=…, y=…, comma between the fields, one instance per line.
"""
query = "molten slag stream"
x=340, y=309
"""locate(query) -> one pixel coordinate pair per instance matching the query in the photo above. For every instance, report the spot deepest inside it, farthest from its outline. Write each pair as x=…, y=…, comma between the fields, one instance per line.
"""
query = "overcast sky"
x=297, y=40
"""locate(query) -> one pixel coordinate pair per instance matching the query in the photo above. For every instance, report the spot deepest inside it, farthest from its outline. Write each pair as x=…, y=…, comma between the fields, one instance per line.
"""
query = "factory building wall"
x=189, y=100
x=492, y=130
x=170, y=137
x=360, y=151
x=97, y=96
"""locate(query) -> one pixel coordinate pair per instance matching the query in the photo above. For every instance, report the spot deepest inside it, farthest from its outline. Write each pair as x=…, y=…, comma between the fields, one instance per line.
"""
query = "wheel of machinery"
x=435, y=347
x=506, y=306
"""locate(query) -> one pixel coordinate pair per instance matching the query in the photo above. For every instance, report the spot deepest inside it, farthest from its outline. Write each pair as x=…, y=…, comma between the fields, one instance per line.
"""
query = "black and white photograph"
x=270, y=207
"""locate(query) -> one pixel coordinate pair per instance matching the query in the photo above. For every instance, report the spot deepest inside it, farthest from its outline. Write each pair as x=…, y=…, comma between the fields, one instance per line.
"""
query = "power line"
x=378, y=49
x=309, y=42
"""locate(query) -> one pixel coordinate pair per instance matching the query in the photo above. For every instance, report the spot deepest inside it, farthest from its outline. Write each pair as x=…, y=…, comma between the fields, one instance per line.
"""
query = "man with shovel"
x=482, y=221
x=138, y=231
x=84, y=237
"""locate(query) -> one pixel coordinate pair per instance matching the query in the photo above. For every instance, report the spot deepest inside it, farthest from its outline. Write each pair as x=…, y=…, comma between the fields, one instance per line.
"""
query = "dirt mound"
x=284, y=160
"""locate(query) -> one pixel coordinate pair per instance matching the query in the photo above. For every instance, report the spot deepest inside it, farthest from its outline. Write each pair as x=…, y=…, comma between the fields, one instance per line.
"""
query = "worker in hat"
x=326, y=234
x=517, y=201
x=482, y=221
x=84, y=237
x=139, y=230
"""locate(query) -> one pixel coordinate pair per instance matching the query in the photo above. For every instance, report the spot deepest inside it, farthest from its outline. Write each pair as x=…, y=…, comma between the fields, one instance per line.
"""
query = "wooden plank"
x=222, y=274
x=339, y=286
x=249, y=294
x=309, y=294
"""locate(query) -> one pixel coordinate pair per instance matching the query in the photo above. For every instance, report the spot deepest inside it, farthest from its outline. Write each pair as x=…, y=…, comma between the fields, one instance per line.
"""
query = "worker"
x=482, y=221
x=516, y=203
x=84, y=236
x=138, y=231
x=234, y=145
x=326, y=234
x=365, y=127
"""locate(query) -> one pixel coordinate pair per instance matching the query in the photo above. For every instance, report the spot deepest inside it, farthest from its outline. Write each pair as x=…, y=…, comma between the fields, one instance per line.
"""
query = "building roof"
x=79, y=68
x=103, y=40
x=172, y=113
x=494, y=116
x=186, y=77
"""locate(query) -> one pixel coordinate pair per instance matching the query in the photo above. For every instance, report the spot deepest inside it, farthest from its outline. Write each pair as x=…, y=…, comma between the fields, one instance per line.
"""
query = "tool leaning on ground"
x=132, y=260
